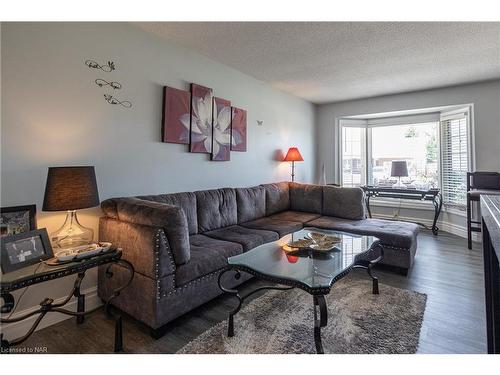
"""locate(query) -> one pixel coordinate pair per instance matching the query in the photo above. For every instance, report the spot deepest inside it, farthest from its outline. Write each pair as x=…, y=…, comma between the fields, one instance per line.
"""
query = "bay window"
x=436, y=147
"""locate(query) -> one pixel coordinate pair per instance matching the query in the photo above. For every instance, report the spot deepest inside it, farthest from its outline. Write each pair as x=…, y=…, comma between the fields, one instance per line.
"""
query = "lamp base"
x=71, y=234
x=399, y=184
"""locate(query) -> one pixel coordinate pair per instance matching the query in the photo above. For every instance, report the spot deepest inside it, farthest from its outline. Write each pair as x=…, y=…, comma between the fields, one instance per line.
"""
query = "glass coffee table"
x=311, y=271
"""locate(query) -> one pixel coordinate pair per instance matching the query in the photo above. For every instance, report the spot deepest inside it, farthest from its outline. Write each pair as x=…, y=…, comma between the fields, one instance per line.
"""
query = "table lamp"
x=70, y=189
x=293, y=155
x=399, y=169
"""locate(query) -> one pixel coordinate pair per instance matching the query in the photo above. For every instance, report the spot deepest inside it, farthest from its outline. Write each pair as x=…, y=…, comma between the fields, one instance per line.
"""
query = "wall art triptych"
x=208, y=124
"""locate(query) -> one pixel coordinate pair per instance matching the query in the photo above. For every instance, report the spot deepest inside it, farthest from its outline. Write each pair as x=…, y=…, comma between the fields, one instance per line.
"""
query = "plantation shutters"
x=455, y=163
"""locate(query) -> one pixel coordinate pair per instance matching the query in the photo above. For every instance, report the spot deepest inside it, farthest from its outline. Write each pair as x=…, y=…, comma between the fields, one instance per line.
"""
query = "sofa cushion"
x=306, y=197
x=251, y=203
x=391, y=233
x=247, y=237
x=186, y=201
x=277, y=197
x=347, y=203
x=216, y=209
x=282, y=227
x=301, y=217
x=207, y=255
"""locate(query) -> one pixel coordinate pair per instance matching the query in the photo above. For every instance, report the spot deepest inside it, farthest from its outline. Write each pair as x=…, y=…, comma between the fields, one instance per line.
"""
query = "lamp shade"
x=399, y=169
x=70, y=188
x=293, y=154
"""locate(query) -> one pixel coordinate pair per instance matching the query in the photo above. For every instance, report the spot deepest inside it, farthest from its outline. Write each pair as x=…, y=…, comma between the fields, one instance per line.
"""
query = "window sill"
x=414, y=205
x=396, y=203
x=455, y=211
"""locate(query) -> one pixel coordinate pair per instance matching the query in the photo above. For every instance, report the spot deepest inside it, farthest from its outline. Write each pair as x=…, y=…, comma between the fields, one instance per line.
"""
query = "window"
x=455, y=159
x=353, y=156
x=435, y=146
x=416, y=144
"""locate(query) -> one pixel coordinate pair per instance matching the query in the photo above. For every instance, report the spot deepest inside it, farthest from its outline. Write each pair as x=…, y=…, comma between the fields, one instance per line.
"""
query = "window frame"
x=357, y=121
x=363, y=153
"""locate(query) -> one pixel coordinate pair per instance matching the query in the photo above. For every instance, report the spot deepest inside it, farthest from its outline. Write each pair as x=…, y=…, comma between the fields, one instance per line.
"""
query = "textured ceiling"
x=334, y=61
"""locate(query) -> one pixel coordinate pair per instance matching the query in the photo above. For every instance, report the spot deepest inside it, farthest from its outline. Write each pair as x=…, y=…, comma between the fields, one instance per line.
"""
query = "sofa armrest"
x=153, y=214
x=146, y=247
x=346, y=203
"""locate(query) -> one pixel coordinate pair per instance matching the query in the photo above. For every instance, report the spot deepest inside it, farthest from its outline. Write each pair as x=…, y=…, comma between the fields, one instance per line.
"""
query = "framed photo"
x=23, y=249
x=17, y=219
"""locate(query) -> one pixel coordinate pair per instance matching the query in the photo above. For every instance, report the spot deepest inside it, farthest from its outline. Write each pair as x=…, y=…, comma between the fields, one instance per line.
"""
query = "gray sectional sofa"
x=178, y=243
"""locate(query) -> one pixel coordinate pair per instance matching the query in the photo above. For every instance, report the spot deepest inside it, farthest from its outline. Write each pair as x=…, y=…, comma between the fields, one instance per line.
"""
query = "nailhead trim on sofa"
x=160, y=234
x=193, y=282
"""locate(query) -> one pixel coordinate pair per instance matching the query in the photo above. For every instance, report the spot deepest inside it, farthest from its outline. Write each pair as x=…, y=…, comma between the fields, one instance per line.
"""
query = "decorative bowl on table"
x=316, y=241
x=303, y=243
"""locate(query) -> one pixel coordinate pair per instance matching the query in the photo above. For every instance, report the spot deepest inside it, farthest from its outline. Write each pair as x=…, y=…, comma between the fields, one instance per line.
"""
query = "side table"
x=41, y=272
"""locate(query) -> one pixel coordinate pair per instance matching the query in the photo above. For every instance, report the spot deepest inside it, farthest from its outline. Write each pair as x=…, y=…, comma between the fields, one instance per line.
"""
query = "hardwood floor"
x=452, y=277
x=449, y=273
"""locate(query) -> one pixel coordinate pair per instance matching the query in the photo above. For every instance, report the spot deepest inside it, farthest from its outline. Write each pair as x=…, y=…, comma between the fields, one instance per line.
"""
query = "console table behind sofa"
x=433, y=195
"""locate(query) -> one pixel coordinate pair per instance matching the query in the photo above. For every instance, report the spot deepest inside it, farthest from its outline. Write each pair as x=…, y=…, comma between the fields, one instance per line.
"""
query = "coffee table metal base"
x=320, y=321
x=241, y=299
x=320, y=309
x=319, y=302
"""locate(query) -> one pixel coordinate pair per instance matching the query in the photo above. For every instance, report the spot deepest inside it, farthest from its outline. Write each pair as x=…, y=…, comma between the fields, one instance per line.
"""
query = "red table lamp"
x=293, y=155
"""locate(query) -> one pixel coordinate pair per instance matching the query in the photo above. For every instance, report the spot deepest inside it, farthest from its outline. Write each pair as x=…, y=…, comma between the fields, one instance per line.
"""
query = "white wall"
x=486, y=99
x=53, y=114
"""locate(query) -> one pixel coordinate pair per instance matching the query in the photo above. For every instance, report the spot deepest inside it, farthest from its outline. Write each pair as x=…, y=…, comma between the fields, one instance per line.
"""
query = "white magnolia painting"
x=221, y=141
x=201, y=119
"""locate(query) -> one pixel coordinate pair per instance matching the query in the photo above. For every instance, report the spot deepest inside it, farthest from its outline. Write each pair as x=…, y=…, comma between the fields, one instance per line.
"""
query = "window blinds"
x=455, y=158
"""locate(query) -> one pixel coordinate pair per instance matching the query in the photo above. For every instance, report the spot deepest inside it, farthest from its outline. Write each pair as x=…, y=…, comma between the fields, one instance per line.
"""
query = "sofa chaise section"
x=343, y=210
x=399, y=239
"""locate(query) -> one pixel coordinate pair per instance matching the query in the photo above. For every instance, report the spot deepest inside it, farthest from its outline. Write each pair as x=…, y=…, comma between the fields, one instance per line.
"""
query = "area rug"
x=281, y=322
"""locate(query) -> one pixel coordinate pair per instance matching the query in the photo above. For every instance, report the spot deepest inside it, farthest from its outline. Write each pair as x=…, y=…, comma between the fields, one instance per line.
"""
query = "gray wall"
x=53, y=114
x=486, y=99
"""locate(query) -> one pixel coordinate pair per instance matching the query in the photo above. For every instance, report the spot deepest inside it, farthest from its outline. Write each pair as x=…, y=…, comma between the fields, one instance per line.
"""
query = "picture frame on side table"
x=24, y=249
x=17, y=219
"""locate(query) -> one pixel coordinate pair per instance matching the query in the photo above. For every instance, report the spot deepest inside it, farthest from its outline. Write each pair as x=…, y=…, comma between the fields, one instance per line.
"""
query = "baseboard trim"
x=18, y=329
x=444, y=226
